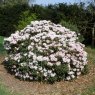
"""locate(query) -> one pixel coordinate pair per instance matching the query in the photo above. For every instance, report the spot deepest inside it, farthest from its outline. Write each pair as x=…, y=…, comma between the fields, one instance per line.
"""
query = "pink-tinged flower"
x=52, y=74
x=58, y=63
x=50, y=64
x=6, y=58
x=40, y=58
x=68, y=78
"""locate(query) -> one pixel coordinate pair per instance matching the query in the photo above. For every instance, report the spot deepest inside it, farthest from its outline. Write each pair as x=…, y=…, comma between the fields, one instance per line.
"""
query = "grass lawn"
x=2, y=51
x=91, y=56
x=5, y=91
x=90, y=90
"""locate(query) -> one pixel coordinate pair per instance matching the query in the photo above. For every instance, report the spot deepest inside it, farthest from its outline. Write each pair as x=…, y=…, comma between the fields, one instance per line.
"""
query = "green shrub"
x=25, y=19
x=45, y=51
x=85, y=70
x=72, y=27
x=61, y=71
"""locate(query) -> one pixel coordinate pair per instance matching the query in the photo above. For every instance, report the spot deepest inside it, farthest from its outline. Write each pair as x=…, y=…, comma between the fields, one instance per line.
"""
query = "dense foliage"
x=45, y=51
x=77, y=16
x=25, y=19
x=9, y=17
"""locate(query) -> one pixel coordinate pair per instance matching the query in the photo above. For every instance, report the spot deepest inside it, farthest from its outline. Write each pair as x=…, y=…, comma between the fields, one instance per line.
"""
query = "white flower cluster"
x=42, y=45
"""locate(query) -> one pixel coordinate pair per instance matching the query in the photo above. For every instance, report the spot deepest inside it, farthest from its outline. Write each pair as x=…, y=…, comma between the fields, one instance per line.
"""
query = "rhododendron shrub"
x=45, y=51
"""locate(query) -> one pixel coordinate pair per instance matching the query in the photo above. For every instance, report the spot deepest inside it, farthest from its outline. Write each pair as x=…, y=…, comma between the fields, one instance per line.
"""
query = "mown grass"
x=91, y=56
x=5, y=91
x=2, y=50
x=90, y=90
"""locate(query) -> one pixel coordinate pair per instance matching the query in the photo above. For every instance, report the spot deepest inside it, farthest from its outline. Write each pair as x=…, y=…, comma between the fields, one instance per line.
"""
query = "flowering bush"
x=45, y=51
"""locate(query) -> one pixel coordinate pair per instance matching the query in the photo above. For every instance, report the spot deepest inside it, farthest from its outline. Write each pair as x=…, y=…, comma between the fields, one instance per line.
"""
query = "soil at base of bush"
x=74, y=87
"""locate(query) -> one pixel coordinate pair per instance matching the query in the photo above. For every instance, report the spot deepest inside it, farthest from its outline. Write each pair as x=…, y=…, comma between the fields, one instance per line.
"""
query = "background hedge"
x=77, y=16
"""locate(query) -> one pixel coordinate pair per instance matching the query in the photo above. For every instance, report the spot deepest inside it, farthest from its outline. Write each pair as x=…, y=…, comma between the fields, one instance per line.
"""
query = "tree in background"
x=10, y=15
x=24, y=19
x=79, y=16
x=13, y=2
